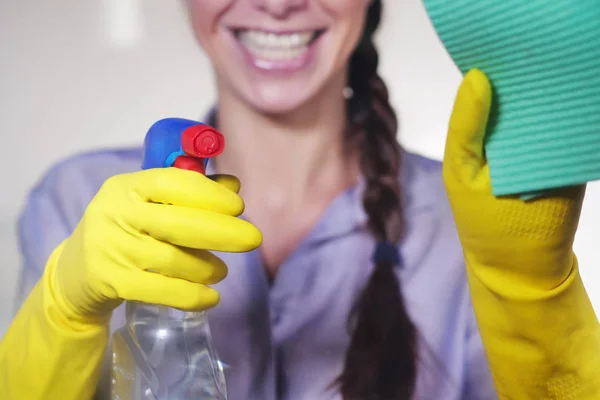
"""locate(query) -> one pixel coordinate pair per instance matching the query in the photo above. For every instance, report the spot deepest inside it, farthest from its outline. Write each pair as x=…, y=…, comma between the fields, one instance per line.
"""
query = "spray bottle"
x=163, y=353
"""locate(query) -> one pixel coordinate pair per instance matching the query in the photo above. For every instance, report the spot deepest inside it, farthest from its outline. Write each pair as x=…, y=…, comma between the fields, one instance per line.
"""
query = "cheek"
x=346, y=10
x=349, y=17
x=204, y=16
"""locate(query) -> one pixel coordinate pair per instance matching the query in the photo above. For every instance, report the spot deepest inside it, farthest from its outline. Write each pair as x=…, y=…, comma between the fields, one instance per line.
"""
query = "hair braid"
x=381, y=359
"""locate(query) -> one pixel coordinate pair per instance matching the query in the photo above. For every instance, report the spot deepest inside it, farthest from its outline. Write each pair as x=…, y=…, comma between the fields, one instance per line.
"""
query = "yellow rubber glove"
x=538, y=327
x=145, y=237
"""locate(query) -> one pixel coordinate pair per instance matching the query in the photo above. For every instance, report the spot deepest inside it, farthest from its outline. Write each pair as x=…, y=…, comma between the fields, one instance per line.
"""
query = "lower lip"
x=281, y=66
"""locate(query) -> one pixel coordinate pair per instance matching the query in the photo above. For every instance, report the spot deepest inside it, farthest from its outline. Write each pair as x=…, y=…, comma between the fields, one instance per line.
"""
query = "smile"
x=271, y=46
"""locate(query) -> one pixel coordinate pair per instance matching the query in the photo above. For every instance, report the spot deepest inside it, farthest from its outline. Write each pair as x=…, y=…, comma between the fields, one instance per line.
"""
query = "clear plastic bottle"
x=165, y=354
x=162, y=353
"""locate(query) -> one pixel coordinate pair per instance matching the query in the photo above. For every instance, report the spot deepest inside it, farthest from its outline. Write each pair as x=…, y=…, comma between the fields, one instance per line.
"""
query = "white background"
x=77, y=75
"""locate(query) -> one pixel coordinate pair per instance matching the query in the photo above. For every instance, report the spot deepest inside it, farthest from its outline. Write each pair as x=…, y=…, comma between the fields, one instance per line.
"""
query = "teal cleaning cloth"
x=543, y=60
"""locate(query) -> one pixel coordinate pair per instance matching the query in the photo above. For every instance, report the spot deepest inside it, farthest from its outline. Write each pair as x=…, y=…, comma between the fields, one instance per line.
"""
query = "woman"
x=354, y=231
x=324, y=181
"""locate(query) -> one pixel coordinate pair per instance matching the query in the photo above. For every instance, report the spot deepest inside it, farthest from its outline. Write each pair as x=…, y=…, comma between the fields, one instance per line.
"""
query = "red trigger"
x=190, y=163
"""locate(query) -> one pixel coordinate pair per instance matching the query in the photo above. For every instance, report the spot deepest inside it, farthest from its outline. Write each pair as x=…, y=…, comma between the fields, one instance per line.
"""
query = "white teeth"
x=278, y=54
x=273, y=46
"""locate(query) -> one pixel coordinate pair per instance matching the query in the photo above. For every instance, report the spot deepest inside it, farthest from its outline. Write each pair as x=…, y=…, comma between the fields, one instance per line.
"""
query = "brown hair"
x=380, y=362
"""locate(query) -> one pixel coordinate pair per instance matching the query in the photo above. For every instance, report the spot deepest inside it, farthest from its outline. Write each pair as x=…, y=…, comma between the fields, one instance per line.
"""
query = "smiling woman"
x=354, y=288
x=285, y=62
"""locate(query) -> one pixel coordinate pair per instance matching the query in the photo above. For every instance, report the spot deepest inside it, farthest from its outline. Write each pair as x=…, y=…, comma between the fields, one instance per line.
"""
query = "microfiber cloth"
x=543, y=60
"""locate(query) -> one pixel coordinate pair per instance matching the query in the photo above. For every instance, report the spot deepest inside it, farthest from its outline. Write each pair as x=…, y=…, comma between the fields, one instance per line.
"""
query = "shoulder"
x=428, y=214
x=421, y=182
x=431, y=238
x=91, y=166
x=55, y=204
x=71, y=183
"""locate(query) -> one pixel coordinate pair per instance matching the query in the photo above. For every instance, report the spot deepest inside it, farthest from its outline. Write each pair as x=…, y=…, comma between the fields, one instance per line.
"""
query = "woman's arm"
x=44, y=223
x=44, y=355
x=538, y=327
x=41, y=350
x=54, y=347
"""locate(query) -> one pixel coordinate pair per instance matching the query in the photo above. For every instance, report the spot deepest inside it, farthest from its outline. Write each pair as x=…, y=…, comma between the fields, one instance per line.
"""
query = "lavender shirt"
x=286, y=340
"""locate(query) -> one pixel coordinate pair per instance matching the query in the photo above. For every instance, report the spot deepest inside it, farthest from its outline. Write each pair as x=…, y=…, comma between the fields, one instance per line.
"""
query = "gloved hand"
x=538, y=327
x=159, y=220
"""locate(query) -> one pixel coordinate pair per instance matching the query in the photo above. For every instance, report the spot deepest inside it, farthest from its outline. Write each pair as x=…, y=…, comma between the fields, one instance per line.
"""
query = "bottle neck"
x=137, y=312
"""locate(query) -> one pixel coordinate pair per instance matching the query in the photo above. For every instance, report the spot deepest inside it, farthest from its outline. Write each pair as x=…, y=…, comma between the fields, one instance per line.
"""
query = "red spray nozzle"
x=202, y=141
x=199, y=142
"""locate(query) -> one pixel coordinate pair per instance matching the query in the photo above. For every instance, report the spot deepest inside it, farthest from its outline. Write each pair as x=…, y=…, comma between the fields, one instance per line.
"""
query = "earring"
x=348, y=93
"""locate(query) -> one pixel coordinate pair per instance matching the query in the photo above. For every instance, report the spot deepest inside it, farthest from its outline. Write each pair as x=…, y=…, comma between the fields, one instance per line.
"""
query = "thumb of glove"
x=464, y=152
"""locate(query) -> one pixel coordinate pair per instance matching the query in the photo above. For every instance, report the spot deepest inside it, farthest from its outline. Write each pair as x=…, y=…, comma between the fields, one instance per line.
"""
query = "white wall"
x=76, y=75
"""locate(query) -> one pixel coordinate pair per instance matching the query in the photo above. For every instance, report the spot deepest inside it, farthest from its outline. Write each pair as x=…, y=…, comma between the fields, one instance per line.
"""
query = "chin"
x=280, y=99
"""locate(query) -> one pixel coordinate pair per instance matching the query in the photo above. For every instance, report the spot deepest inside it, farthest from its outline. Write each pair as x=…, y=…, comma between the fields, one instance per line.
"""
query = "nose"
x=279, y=8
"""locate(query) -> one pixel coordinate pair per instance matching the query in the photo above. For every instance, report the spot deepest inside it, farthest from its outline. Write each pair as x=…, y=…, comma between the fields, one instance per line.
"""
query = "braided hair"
x=380, y=363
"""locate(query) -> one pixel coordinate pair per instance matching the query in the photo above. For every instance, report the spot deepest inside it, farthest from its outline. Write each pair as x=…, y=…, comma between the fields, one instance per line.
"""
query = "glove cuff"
x=57, y=308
